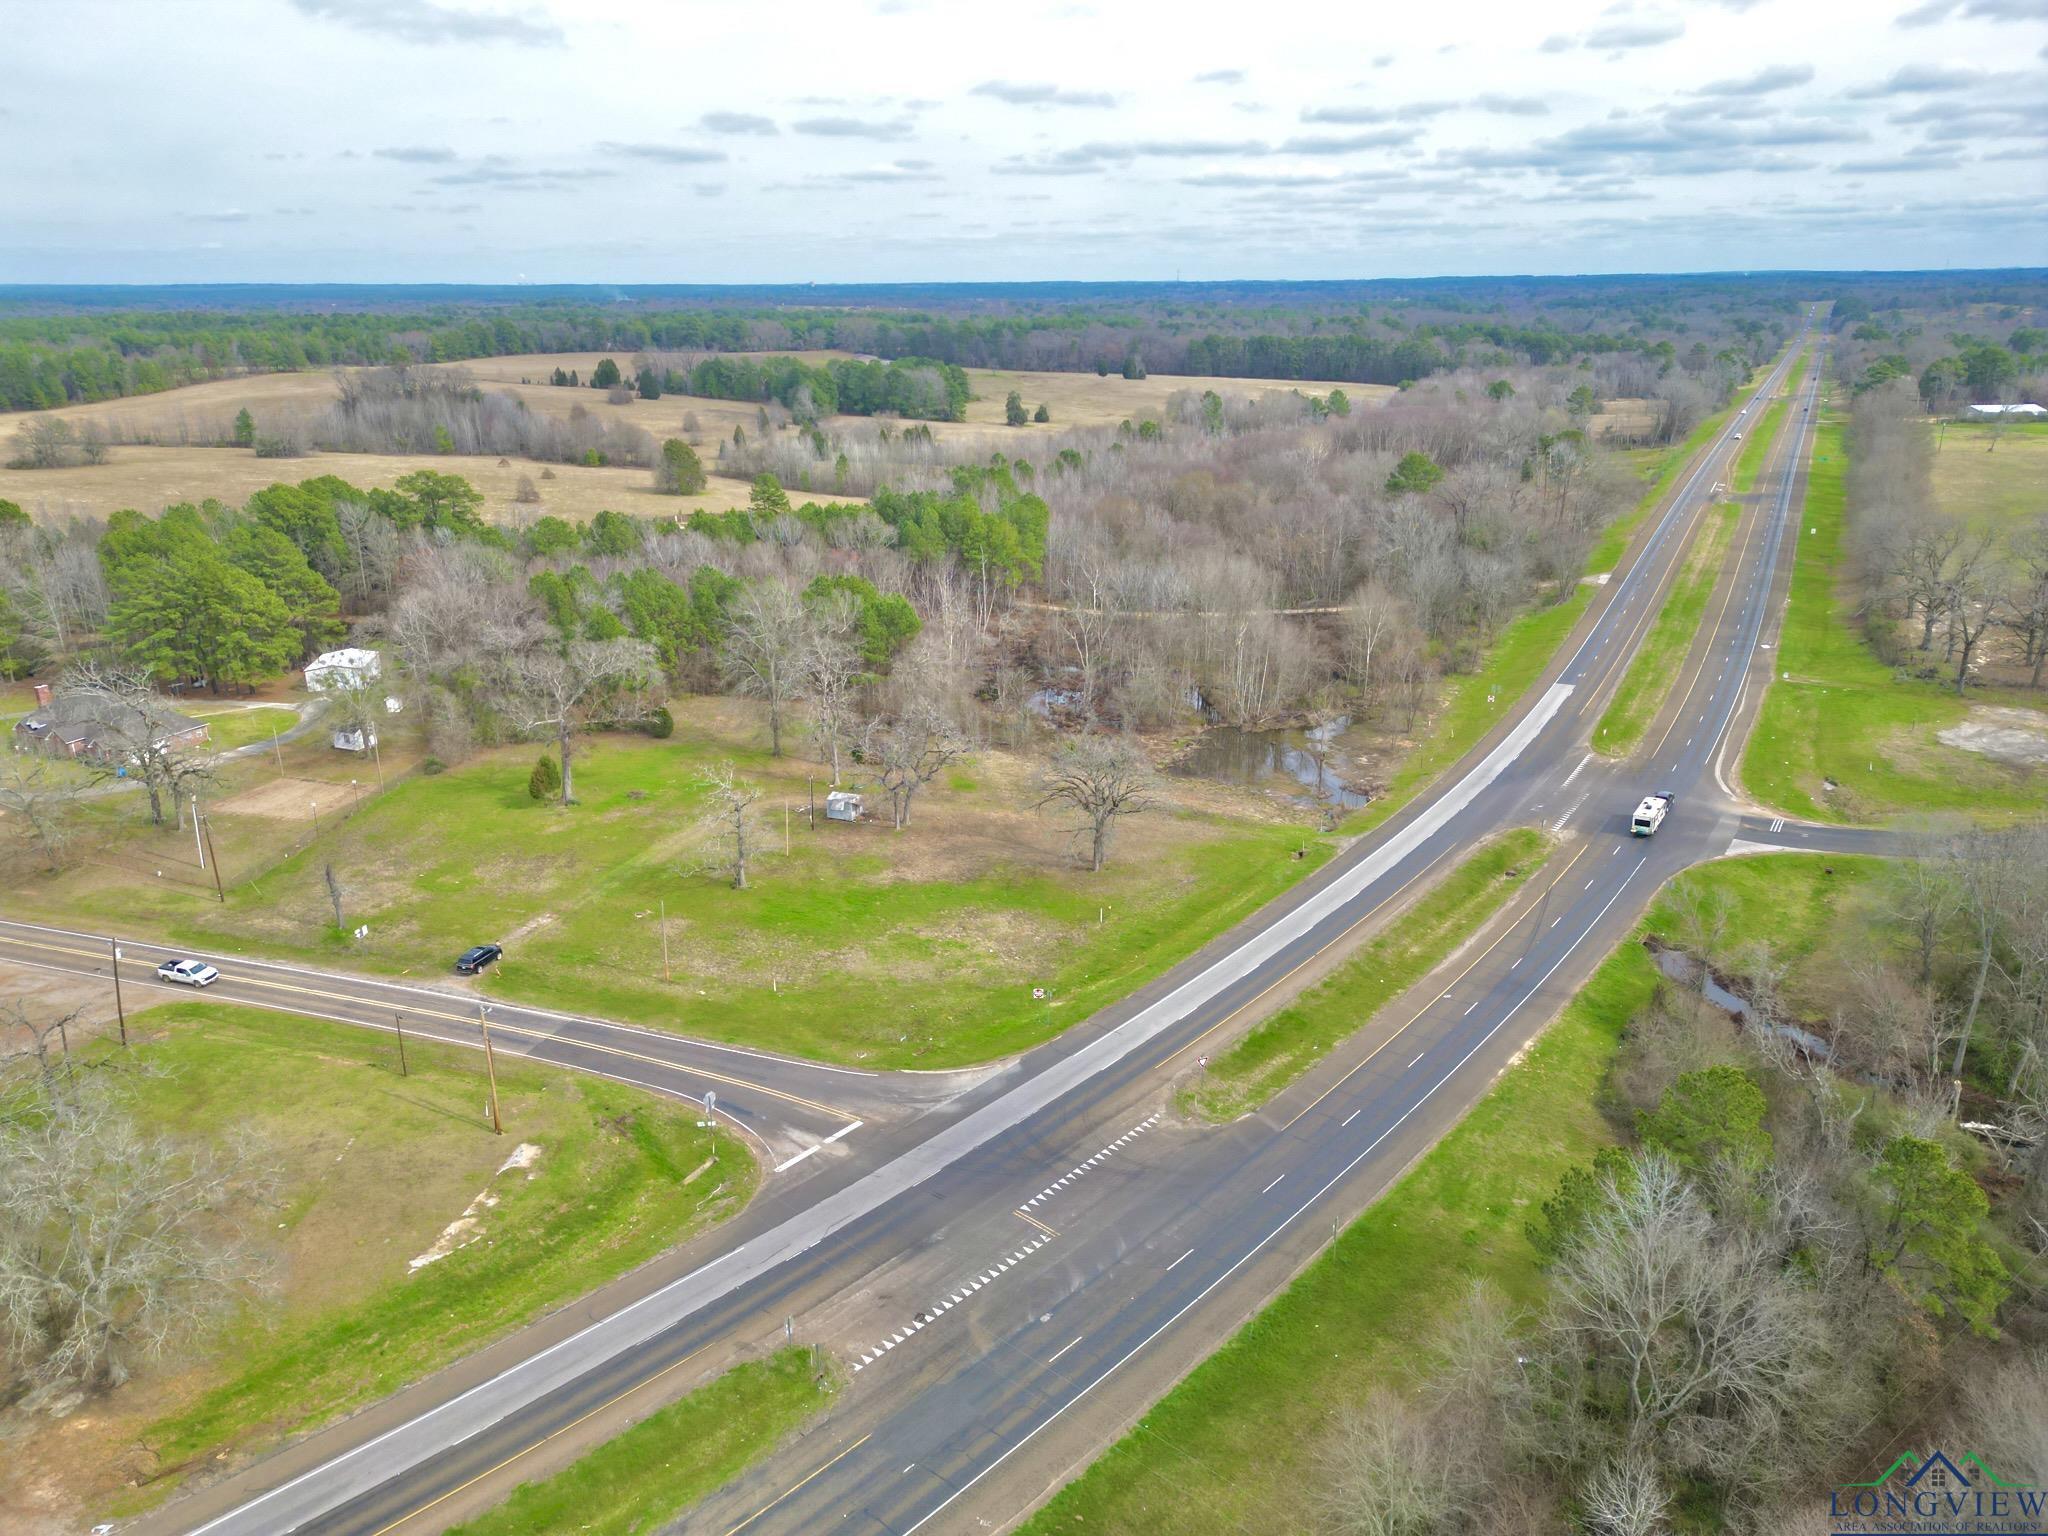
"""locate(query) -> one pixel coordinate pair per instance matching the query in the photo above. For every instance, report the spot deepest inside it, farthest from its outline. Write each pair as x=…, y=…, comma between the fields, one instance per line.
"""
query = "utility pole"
x=279, y=750
x=664, y=938
x=219, y=893
x=197, y=845
x=377, y=758
x=398, y=1019
x=490, y=1064
x=314, y=807
x=811, y=796
x=120, y=1012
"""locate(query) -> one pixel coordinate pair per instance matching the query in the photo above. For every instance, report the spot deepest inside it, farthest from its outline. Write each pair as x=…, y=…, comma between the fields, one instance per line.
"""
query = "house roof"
x=73, y=718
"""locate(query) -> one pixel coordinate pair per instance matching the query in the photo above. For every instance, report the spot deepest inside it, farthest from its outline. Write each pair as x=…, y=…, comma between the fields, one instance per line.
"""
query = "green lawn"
x=1418, y=939
x=919, y=948
x=229, y=728
x=1234, y=1447
x=631, y=1485
x=373, y=1167
x=1647, y=683
x=1834, y=712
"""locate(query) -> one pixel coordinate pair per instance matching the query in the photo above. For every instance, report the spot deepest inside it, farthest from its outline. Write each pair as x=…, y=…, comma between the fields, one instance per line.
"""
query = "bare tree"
x=1695, y=1334
x=586, y=680
x=41, y=1030
x=1372, y=618
x=1624, y=1498
x=113, y=1244
x=140, y=734
x=41, y=804
x=1102, y=779
x=765, y=642
x=333, y=884
x=1701, y=913
x=731, y=825
x=833, y=672
x=1387, y=1474
x=911, y=751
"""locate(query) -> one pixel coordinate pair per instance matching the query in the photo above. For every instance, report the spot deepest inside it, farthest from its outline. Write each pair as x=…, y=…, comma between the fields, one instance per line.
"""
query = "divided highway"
x=1012, y=1263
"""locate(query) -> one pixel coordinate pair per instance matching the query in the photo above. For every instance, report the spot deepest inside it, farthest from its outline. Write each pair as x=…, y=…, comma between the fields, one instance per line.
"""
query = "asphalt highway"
x=1010, y=1265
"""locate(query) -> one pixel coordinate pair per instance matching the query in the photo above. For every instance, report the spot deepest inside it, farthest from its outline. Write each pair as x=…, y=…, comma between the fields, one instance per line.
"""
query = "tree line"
x=1792, y=1264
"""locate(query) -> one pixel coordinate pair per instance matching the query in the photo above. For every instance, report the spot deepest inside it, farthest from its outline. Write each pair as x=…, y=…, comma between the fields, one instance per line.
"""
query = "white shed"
x=2031, y=412
x=842, y=805
x=351, y=667
x=354, y=740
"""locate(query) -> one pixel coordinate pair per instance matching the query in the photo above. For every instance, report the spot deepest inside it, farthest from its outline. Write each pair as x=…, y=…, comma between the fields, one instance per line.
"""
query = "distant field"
x=1995, y=484
x=151, y=478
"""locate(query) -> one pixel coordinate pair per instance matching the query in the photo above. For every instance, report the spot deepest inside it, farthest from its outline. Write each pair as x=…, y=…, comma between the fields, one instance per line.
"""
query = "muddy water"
x=1258, y=758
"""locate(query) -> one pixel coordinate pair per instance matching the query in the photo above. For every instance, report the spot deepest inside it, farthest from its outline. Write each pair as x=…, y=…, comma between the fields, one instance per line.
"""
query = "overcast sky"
x=918, y=140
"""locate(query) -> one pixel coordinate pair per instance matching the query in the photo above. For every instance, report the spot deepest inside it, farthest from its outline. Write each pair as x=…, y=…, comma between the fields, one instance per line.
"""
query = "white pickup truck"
x=1650, y=814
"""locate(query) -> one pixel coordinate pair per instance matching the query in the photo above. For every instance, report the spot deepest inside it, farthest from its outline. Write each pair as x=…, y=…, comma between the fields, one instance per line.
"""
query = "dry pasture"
x=167, y=471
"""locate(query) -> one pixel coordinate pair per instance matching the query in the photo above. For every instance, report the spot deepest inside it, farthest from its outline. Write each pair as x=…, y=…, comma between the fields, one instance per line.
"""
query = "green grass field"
x=1418, y=939
x=1235, y=1446
x=1756, y=446
x=1835, y=713
x=1993, y=478
x=920, y=948
x=230, y=728
x=1647, y=683
x=374, y=1166
x=634, y=1483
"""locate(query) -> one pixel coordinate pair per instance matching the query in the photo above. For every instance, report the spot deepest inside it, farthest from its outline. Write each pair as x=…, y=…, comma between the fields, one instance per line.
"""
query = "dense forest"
x=71, y=345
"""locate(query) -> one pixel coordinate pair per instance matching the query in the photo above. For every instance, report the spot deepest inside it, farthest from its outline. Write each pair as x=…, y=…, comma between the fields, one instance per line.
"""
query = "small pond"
x=1232, y=756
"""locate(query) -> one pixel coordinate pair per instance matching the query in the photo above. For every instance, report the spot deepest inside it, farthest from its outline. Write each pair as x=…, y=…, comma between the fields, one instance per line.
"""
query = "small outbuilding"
x=351, y=667
x=2027, y=411
x=347, y=739
x=842, y=805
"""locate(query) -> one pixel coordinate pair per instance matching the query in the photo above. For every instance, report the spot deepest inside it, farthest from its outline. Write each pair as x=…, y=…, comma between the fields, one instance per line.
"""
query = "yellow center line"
x=1048, y=1231
x=469, y=1019
x=1397, y=1034
x=1406, y=886
x=757, y=1514
x=501, y=1466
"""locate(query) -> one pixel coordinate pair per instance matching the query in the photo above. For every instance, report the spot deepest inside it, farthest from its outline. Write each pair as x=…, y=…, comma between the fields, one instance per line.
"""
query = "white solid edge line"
x=1284, y=1224
x=1111, y=1047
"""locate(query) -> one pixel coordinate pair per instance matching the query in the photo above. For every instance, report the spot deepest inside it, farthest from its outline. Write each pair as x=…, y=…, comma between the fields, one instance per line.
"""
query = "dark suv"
x=471, y=961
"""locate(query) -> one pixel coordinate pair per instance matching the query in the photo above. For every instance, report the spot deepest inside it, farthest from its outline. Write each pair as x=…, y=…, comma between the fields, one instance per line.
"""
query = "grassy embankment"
x=1235, y=1446
x=373, y=1166
x=1413, y=943
x=1475, y=702
x=669, y=1460
x=1834, y=712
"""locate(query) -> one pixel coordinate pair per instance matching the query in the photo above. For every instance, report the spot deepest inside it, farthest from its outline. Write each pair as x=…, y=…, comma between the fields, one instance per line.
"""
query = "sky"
x=719, y=141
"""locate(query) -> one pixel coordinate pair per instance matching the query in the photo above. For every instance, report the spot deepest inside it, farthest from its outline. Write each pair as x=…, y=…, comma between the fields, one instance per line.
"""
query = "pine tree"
x=545, y=782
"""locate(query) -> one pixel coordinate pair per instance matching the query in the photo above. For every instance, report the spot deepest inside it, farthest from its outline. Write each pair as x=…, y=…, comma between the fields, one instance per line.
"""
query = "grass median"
x=1415, y=942
x=1649, y=678
x=376, y=1169
x=670, y=1459
x=1236, y=1445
